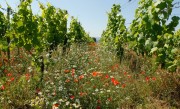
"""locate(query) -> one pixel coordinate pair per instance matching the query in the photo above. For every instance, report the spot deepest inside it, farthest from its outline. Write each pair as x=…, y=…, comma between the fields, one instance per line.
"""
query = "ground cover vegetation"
x=44, y=64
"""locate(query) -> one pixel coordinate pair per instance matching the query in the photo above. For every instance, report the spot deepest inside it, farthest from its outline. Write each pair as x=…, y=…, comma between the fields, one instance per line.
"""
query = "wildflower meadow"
x=49, y=62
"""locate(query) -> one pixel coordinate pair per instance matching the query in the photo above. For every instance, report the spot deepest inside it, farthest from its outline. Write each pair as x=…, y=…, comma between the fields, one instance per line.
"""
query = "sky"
x=91, y=13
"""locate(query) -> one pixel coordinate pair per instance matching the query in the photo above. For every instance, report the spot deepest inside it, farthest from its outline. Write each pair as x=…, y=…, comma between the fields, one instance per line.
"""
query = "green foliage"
x=94, y=39
x=40, y=32
x=3, y=27
x=77, y=33
x=151, y=33
x=115, y=33
x=53, y=25
x=25, y=27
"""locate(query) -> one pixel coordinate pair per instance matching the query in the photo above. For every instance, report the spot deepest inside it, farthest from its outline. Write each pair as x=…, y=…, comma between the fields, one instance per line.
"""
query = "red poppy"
x=56, y=105
x=109, y=99
x=73, y=72
x=124, y=85
x=153, y=78
x=107, y=76
x=38, y=90
x=125, y=73
x=66, y=71
x=12, y=79
x=21, y=56
x=81, y=76
x=98, y=107
x=147, y=79
x=95, y=74
x=82, y=93
x=67, y=80
x=75, y=80
x=27, y=75
x=9, y=74
x=99, y=101
x=114, y=81
x=5, y=71
x=2, y=87
x=143, y=73
x=129, y=76
x=72, y=97
x=116, y=65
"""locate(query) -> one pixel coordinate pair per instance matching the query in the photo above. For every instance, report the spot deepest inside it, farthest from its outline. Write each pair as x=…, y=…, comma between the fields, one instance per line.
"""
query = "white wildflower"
x=108, y=90
x=67, y=103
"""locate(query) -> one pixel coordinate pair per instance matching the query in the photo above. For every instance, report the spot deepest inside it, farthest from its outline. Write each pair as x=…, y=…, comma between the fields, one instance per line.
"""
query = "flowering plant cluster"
x=87, y=77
